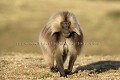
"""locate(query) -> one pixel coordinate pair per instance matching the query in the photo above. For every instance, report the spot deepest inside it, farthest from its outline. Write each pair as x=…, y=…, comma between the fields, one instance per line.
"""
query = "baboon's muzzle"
x=66, y=33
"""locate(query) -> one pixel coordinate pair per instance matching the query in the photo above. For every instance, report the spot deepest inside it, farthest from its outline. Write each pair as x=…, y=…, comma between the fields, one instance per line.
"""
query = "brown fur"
x=51, y=37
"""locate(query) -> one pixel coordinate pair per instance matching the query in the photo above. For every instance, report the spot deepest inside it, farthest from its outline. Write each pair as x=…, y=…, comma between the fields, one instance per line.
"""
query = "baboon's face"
x=66, y=28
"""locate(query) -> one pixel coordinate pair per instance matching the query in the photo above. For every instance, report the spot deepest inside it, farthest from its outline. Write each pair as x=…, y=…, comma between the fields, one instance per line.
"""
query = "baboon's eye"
x=69, y=23
x=62, y=24
x=65, y=24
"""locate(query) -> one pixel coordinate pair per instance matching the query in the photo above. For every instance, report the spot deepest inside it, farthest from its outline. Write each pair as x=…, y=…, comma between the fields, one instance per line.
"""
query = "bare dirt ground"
x=22, y=66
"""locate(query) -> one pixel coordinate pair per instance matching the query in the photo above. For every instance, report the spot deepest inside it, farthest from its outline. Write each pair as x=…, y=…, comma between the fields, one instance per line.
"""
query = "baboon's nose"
x=66, y=31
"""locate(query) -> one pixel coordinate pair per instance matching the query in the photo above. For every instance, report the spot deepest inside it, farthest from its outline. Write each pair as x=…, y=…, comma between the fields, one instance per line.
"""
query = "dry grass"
x=22, y=20
x=32, y=67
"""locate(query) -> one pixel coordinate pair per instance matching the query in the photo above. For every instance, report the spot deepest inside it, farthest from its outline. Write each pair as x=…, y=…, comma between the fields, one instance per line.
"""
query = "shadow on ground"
x=99, y=67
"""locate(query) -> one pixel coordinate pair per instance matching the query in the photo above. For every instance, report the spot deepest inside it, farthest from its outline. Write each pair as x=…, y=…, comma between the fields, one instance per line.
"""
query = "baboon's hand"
x=63, y=75
x=68, y=72
x=54, y=69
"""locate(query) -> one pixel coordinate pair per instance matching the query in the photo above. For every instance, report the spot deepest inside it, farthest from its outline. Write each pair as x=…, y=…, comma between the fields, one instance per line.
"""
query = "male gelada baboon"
x=61, y=37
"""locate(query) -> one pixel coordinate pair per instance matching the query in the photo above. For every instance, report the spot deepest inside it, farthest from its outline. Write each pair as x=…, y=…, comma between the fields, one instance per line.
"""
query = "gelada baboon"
x=61, y=37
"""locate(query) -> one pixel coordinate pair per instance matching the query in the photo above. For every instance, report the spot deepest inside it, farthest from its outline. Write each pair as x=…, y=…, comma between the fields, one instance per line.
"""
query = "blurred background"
x=22, y=20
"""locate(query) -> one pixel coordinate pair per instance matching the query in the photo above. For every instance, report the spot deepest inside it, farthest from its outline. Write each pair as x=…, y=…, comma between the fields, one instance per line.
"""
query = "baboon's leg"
x=64, y=56
x=49, y=58
x=71, y=63
x=59, y=64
